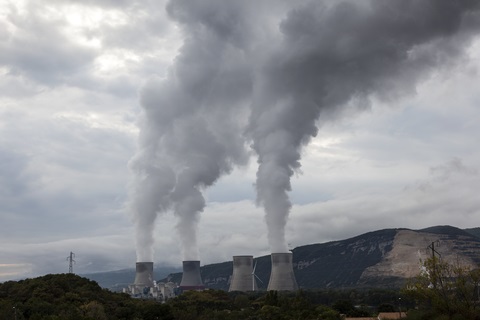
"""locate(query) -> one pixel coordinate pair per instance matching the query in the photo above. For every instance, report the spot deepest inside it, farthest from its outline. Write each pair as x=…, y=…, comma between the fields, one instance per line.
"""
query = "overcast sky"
x=71, y=77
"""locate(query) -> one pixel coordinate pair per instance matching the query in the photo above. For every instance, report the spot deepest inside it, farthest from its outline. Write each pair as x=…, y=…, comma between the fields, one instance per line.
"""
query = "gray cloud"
x=37, y=50
x=431, y=200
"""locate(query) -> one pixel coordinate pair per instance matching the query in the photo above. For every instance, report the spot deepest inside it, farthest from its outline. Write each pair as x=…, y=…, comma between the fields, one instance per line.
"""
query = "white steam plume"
x=332, y=53
x=192, y=122
x=152, y=183
x=290, y=66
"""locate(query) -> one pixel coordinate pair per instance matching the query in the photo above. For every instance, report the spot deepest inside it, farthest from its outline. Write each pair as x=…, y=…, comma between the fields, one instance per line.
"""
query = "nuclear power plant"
x=282, y=277
x=191, y=278
x=243, y=277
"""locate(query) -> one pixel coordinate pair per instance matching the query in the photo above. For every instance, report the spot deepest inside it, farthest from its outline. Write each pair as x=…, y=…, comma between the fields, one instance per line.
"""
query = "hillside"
x=119, y=279
x=71, y=297
x=384, y=258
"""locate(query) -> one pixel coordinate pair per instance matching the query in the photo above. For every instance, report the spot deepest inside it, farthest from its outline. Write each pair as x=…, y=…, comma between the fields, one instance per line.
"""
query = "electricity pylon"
x=70, y=262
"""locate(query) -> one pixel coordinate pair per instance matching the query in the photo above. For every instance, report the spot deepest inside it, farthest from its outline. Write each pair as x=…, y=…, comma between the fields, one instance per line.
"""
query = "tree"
x=241, y=301
x=268, y=312
x=94, y=310
x=386, y=307
x=326, y=313
x=449, y=289
x=271, y=299
x=344, y=307
x=153, y=310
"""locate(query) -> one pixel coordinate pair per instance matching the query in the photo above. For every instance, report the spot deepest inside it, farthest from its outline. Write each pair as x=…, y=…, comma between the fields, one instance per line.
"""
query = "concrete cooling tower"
x=282, y=277
x=243, y=278
x=144, y=274
x=191, y=278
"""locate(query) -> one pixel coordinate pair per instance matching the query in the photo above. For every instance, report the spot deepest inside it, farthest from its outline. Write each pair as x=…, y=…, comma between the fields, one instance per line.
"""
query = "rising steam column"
x=282, y=277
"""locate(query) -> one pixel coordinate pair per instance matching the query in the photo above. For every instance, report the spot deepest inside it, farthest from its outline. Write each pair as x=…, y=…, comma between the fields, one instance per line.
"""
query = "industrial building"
x=145, y=287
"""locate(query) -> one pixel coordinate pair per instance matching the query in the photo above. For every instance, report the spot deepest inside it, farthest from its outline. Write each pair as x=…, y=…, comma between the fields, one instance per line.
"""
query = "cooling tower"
x=191, y=278
x=242, y=277
x=144, y=274
x=282, y=277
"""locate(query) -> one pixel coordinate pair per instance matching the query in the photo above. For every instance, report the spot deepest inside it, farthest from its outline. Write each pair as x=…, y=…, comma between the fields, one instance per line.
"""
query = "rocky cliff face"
x=409, y=248
x=383, y=258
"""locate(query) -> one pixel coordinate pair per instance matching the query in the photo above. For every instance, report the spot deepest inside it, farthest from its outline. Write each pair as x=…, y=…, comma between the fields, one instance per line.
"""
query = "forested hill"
x=65, y=297
x=383, y=258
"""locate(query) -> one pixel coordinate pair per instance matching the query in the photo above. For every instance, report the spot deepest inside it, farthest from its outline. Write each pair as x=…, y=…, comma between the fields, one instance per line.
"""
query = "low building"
x=391, y=315
x=382, y=316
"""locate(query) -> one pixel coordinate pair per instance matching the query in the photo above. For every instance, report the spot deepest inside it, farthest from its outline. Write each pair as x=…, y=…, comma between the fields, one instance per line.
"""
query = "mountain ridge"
x=380, y=258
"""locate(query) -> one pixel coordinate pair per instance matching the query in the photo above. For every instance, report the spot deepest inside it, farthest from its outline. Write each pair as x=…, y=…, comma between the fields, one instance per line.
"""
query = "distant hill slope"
x=474, y=232
x=446, y=231
x=119, y=279
x=383, y=258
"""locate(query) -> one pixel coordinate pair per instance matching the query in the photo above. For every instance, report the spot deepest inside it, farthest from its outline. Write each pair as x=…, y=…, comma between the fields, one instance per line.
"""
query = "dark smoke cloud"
x=290, y=69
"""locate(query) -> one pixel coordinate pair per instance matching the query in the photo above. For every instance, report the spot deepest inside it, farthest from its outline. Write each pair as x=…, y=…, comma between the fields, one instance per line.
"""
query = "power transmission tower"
x=70, y=262
x=434, y=261
x=432, y=247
